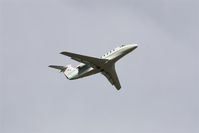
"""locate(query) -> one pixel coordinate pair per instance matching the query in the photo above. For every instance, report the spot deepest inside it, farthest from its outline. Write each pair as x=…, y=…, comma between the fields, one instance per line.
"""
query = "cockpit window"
x=122, y=45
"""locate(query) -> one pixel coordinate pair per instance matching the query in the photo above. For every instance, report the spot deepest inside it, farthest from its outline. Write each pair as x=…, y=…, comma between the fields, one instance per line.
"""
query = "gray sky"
x=159, y=79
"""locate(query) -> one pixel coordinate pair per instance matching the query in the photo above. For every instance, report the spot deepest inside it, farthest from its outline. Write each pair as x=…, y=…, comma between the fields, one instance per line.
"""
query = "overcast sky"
x=160, y=79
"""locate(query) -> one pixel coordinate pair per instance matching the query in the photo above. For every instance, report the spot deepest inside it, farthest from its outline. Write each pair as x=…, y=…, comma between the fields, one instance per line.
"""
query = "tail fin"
x=61, y=68
x=69, y=71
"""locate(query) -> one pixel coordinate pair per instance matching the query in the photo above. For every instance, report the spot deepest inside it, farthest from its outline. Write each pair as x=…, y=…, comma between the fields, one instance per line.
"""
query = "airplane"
x=92, y=65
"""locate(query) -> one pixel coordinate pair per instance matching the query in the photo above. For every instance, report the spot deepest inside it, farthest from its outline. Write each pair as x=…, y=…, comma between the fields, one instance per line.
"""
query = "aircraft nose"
x=133, y=46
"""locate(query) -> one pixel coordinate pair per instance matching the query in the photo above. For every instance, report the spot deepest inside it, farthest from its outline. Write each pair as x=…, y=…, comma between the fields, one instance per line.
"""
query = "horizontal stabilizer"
x=61, y=68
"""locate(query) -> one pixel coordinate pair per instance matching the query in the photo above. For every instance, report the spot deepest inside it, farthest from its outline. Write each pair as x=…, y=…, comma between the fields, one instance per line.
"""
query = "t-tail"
x=68, y=70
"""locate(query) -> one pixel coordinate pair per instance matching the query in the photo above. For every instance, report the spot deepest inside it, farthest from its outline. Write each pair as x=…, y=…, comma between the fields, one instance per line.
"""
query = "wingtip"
x=51, y=66
x=118, y=89
x=61, y=53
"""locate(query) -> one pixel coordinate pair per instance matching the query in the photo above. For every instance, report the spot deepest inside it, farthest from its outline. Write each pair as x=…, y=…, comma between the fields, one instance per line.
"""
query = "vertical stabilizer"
x=70, y=72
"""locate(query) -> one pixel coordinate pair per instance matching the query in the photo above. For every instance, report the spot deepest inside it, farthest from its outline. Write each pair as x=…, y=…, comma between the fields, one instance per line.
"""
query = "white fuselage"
x=83, y=70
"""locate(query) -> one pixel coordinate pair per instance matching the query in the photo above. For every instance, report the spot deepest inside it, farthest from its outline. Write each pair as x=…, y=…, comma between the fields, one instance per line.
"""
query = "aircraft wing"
x=92, y=61
x=111, y=75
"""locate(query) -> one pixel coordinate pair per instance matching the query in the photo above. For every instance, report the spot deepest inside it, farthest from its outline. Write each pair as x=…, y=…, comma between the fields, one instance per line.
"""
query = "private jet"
x=92, y=65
